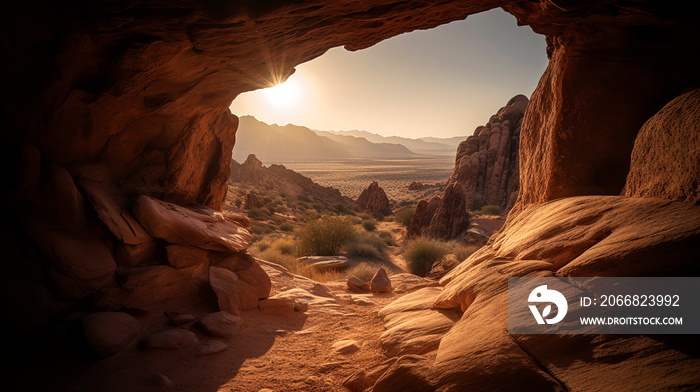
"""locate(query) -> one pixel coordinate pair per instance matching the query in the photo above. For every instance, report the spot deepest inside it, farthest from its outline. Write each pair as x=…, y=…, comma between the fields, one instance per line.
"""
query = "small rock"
x=380, y=283
x=276, y=305
x=172, y=339
x=346, y=347
x=109, y=332
x=355, y=283
x=364, y=302
x=266, y=390
x=300, y=306
x=212, y=347
x=221, y=324
x=180, y=318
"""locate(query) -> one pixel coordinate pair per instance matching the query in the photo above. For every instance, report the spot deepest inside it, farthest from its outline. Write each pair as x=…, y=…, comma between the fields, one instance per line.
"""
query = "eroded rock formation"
x=134, y=97
x=373, y=200
x=485, y=173
x=282, y=180
x=629, y=235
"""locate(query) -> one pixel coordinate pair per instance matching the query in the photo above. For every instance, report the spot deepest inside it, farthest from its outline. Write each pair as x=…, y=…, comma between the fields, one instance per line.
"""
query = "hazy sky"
x=441, y=82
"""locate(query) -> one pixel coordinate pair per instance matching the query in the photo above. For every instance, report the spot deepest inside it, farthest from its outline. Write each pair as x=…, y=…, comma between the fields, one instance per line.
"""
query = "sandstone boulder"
x=256, y=277
x=346, y=347
x=373, y=200
x=147, y=253
x=276, y=305
x=671, y=135
x=112, y=209
x=325, y=263
x=182, y=256
x=80, y=255
x=212, y=347
x=380, y=282
x=357, y=284
x=154, y=284
x=109, y=332
x=171, y=339
x=225, y=285
x=201, y=227
x=221, y=324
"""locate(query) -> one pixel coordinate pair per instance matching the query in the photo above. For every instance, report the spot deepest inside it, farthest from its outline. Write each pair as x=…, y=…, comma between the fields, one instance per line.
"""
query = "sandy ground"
x=291, y=352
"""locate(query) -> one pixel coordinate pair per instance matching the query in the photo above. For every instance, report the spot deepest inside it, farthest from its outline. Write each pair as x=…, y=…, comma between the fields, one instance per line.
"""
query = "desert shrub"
x=421, y=253
x=364, y=271
x=491, y=210
x=342, y=209
x=366, y=245
x=404, y=216
x=462, y=251
x=286, y=227
x=387, y=237
x=286, y=246
x=290, y=262
x=369, y=225
x=325, y=236
x=258, y=214
x=238, y=203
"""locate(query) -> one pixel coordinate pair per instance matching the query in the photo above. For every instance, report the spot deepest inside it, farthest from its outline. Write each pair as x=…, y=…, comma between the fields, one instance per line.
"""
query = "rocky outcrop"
x=373, y=200
x=625, y=235
x=485, y=173
x=283, y=181
x=671, y=135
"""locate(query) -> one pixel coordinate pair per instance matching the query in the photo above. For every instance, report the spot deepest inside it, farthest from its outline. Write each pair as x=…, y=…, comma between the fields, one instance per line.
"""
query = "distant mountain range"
x=274, y=143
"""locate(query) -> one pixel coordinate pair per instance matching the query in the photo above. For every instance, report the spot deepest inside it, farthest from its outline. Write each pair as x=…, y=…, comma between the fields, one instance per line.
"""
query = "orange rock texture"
x=117, y=142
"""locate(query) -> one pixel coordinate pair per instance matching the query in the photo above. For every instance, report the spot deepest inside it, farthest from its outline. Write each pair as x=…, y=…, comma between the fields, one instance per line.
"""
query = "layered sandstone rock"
x=373, y=200
x=485, y=173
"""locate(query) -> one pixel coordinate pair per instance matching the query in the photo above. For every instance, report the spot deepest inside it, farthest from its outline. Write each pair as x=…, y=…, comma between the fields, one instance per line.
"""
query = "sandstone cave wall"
x=136, y=95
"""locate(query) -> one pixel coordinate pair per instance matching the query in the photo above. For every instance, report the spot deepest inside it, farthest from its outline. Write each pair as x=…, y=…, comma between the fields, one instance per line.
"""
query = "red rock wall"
x=145, y=87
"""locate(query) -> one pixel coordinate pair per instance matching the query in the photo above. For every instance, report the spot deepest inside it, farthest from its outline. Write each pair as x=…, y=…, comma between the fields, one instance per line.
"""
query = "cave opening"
x=396, y=114
x=117, y=119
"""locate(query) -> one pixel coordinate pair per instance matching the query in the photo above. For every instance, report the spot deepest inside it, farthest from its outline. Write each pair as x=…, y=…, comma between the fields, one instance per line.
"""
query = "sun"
x=285, y=95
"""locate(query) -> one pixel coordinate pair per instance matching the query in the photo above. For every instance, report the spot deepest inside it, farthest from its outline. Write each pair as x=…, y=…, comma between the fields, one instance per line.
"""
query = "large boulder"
x=666, y=155
x=225, y=285
x=577, y=236
x=109, y=332
x=201, y=227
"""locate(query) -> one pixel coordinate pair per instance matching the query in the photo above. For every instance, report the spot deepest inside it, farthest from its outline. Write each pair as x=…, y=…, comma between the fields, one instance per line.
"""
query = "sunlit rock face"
x=485, y=173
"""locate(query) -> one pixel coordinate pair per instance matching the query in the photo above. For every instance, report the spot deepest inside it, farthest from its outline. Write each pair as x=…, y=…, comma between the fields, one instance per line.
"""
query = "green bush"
x=366, y=245
x=325, y=236
x=363, y=271
x=420, y=255
x=369, y=225
x=491, y=210
x=404, y=216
